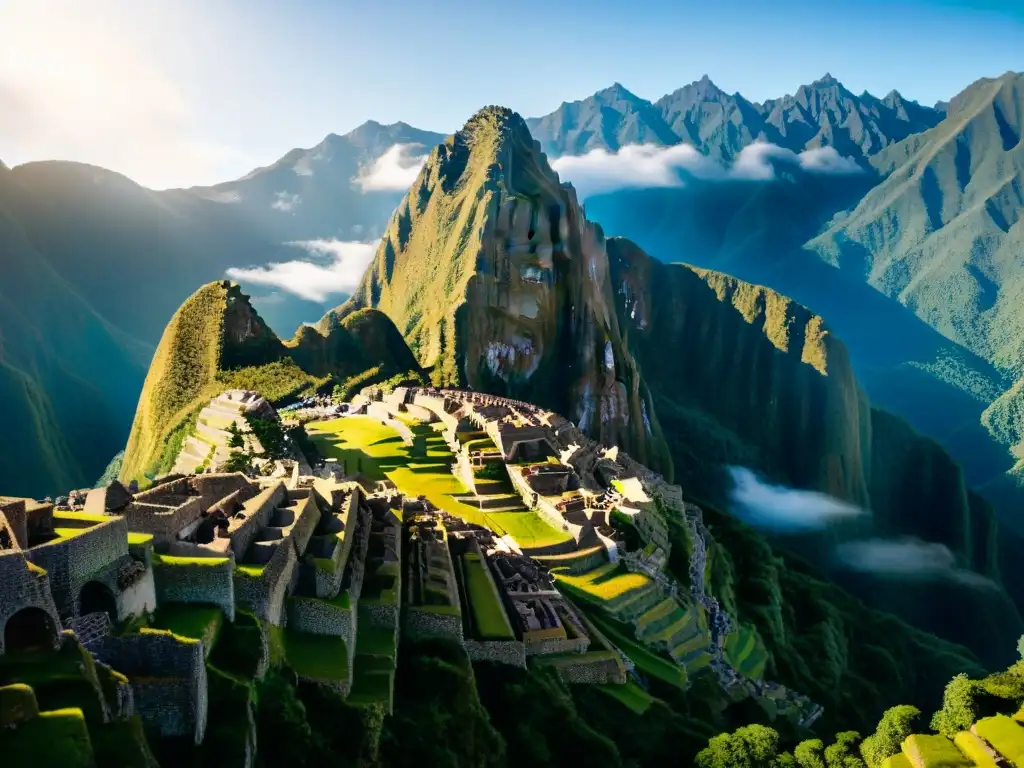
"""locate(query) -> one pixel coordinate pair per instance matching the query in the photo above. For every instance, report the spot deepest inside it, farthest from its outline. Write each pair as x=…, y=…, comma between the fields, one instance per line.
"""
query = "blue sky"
x=197, y=92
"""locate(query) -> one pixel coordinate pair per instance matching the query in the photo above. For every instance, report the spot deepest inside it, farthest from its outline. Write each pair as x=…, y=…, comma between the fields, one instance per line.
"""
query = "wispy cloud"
x=650, y=166
x=286, y=201
x=908, y=558
x=333, y=267
x=827, y=160
x=784, y=510
x=394, y=171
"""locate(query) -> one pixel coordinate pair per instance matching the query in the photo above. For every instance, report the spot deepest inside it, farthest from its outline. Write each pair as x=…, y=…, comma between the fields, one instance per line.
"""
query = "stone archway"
x=96, y=597
x=30, y=629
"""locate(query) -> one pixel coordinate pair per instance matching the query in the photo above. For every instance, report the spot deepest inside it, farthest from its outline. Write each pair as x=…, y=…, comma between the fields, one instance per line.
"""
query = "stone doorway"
x=30, y=629
x=96, y=597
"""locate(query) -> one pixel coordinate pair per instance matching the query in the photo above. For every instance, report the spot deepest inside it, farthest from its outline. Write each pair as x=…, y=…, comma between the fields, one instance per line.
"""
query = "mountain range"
x=933, y=337
x=94, y=264
x=498, y=281
x=915, y=261
x=784, y=321
x=702, y=115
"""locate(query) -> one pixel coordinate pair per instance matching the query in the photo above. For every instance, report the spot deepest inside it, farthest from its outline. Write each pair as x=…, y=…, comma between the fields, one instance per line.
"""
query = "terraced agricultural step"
x=213, y=433
x=571, y=560
x=692, y=658
x=635, y=603
x=657, y=618
x=195, y=448
x=675, y=633
x=494, y=503
x=561, y=548
x=225, y=410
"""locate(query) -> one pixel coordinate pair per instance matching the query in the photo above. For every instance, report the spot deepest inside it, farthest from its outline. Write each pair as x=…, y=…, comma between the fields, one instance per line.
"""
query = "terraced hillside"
x=216, y=341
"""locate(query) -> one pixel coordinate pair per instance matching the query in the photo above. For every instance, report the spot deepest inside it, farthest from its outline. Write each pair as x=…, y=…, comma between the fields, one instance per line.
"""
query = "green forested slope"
x=217, y=341
x=499, y=282
x=64, y=370
x=942, y=234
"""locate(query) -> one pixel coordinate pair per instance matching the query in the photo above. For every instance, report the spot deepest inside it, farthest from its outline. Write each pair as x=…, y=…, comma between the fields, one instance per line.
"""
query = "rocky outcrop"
x=499, y=283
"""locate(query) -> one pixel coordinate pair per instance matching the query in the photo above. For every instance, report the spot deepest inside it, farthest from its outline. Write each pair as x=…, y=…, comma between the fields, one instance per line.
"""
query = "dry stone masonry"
x=326, y=554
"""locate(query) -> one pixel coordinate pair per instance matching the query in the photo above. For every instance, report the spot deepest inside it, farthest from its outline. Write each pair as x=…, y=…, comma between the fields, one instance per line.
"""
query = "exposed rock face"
x=749, y=364
x=500, y=284
x=497, y=280
x=743, y=375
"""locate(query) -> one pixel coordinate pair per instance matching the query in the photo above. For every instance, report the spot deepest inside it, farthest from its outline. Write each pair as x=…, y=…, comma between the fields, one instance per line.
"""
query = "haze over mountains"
x=778, y=193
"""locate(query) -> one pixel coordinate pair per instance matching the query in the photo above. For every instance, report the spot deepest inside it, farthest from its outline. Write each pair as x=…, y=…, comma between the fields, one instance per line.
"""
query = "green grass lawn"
x=382, y=454
x=1005, y=735
x=172, y=560
x=318, y=657
x=488, y=612
x=934, y=750
x=745, y=652
x=607, y=582
x=139, y=539
x=631, y=695
x=197, y=621
x=974, y=748
x=87, y=517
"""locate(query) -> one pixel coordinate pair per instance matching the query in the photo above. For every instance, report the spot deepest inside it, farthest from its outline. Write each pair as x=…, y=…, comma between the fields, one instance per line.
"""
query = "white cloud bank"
x=646, y=166
x=335, y=266
x=908, y=558
x=784, y=510
x=394, y=171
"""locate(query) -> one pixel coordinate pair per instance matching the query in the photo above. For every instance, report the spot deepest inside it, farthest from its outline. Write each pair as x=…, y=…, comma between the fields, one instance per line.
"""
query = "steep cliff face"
x=498, y=282
x=743, y=375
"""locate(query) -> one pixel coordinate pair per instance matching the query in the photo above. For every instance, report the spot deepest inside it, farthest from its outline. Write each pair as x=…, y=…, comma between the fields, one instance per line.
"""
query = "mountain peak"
x=826, y=79
x=616, y=92
x=706, y=87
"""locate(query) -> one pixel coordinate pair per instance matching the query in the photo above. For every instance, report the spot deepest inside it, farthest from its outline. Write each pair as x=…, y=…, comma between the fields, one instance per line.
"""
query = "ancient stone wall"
x=462, y=468
x=436, y=405
x=17, y=518
x=423, y=623
x=214, y=487
x=329, y=582
x=379, y=614
x=307, y=515
x=22, y=586
x=590, y=671
x=91, y=554
x=510, y=652
x=320, y=617
x=162, y=521
x=264, y=595
x=557, y=645
x=168, y=679
x=139, y=597
x=257, y=513
x=197, y=583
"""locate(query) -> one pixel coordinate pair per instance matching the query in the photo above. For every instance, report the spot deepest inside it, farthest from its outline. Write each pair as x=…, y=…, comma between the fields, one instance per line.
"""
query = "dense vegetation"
x=965, y=702
x=216, y=341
